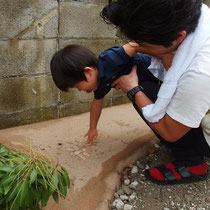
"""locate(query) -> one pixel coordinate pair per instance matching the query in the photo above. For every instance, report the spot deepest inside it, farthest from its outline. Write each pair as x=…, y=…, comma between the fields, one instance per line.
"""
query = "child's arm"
x=95, y=113
x=132, y=48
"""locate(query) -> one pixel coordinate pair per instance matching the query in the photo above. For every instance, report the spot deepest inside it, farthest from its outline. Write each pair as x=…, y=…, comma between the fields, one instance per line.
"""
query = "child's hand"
x=92, y=135
x=167, y=60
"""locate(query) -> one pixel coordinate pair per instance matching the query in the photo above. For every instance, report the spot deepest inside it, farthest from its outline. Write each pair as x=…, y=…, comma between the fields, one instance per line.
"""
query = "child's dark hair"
x=67, y=65
x=154, y=21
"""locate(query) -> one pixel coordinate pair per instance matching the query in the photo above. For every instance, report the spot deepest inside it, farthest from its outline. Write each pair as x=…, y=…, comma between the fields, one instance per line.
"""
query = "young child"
x=77, y=67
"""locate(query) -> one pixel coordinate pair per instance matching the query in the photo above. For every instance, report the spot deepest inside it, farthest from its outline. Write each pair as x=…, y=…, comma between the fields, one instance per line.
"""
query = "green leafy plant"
x=28, y=180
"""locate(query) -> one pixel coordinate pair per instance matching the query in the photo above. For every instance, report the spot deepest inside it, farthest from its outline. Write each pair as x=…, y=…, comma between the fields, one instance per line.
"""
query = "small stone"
x=156, y=146
x=128, y=207
x=82, y=157
x=60, y=143
x=75, y=147
x=147, y=167
x=132, y=197
x=127, y=190
x=134, y=170
x=120, y=192
x=119, y=204
x=70, y=149
x=188, y=198
x=124, y=197
x=141, y=166
x=133, y=185
x=77, y=152
x=86, y=154
x=172, y=203
x=127, y=182
x=113, y=204
x=116, y=195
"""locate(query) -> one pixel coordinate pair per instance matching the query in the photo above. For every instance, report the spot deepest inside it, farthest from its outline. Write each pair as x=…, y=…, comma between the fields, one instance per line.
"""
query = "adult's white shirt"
x=191, y=100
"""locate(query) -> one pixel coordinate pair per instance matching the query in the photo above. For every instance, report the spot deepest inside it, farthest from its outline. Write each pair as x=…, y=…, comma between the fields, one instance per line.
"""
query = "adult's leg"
x=189, y=151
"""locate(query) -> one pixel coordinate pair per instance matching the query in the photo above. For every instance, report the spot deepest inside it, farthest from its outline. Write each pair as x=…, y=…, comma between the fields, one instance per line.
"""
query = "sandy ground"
x=94, y=171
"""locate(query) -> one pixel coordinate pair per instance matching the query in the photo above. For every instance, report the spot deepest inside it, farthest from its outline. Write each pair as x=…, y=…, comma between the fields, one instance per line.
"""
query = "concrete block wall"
x=31, y=31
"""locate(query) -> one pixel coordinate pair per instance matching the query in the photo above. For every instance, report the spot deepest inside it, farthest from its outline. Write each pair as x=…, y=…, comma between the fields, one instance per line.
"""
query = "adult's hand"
x=127, y=82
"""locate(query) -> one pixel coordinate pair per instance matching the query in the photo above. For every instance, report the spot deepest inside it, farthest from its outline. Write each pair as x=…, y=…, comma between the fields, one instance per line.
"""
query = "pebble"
x=128, y=207
x=133, y=185
x=132, y=197
x=120, y=192
x=124, y=197
x=134, y=170
x=188, y=198
x=136, y=193
x=127, y=182
x=119, y=204
x=127, y=190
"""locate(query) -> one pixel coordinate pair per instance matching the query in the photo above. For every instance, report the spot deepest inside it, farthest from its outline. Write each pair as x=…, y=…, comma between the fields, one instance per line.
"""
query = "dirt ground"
x=94, y=171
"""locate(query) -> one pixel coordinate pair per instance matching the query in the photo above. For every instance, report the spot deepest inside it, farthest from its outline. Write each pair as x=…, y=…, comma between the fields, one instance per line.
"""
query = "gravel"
x=136, y=193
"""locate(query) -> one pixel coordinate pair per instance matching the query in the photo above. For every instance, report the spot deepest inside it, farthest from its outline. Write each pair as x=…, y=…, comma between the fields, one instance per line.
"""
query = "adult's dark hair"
x=67, y=65
x=153, y=21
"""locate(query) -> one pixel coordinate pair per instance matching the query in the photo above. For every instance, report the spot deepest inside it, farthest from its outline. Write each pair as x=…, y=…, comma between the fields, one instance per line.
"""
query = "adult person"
x=176, y=108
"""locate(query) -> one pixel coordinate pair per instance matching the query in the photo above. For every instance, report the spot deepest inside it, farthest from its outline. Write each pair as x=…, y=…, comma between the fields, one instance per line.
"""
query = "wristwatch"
x=131, y=93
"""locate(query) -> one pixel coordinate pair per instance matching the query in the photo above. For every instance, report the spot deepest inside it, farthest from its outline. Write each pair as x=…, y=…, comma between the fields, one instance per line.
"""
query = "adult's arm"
x=168, y=128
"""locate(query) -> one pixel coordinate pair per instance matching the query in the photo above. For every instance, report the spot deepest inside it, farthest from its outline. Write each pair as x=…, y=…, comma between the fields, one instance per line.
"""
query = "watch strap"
x=131, y=93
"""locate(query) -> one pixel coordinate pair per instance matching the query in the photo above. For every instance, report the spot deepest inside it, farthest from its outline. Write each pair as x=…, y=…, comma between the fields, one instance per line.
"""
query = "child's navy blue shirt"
x=113, y=63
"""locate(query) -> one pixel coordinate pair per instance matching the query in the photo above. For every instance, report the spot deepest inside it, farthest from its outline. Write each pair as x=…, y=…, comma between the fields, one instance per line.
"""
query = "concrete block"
x=27, y=117
x=96, y=46
x=74, y=109
x=89, y=1
x=120, y=100
x=26, y=56
x=83, y=20
x=28, y=19
x=23, y=93
x=117, y=93
x=108, y=99
x=75, y=96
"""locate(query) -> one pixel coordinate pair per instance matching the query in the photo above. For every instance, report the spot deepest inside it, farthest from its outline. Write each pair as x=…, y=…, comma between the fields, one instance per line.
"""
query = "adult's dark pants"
x=189, y=149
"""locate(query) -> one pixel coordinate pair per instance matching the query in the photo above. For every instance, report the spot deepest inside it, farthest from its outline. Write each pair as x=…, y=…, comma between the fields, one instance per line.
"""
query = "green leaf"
x=38, y=195
x=45, y=197
x=24, y=191
x=7, y=188
x=54, y=182
x=1, y=201
x=33, y=176
x=3, y=150
x=15, y=204
x=29, y=201
x=13, y=192
x=41, y=181
x=65, y=176
x=6, y=168
x=62, y=187
x=2, y=175
x=55, y=196
x=7, y=180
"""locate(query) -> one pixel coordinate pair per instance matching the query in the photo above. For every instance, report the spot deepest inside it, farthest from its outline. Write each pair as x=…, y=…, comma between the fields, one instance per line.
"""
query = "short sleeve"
x=191, y=100
x=112, y=62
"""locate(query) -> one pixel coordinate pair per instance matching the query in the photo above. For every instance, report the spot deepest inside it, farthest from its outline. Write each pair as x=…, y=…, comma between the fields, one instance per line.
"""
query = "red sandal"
x=177, y=173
